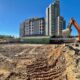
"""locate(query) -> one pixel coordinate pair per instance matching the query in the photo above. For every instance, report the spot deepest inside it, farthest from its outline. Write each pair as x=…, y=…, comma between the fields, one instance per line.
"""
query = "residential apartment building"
x=54, y=22
x=32, y=27
x=52, y=25
x=52, y=12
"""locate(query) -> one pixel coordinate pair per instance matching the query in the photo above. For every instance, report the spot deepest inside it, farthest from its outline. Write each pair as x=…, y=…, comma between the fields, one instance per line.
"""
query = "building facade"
x=64, y=24
x=22, y=29
x=60, y=25
x=52, y=12
x=54, y=21
x=32, y=27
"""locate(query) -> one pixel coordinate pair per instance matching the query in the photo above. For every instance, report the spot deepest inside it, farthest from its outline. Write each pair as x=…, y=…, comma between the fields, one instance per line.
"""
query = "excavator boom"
x=73, y=22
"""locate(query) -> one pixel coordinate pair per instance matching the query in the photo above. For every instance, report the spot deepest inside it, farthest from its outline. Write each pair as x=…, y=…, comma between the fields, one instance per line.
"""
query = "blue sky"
x=12, y=12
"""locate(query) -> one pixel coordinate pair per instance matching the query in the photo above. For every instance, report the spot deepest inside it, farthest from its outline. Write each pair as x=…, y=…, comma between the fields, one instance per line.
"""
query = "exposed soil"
x=39, y=62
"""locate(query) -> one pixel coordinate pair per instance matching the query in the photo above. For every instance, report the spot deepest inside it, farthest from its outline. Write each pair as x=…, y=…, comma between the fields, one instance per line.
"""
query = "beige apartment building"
x=32, y=27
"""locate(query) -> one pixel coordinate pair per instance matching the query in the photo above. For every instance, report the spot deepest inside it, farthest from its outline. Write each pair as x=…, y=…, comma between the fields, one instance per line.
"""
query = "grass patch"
x=36, y=40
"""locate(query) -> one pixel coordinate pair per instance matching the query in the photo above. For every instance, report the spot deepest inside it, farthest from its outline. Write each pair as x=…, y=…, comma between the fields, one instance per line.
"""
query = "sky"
x=13, y=12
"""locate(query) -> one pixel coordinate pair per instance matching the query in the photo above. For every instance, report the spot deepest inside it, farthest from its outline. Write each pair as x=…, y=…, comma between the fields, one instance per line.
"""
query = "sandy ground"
x=39, y=62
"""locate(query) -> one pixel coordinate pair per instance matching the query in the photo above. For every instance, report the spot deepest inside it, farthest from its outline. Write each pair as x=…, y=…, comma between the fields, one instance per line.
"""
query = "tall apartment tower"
x=52, y=12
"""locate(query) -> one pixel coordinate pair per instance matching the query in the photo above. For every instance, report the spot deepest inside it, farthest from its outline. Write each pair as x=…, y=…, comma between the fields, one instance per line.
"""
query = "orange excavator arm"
x=73, y=22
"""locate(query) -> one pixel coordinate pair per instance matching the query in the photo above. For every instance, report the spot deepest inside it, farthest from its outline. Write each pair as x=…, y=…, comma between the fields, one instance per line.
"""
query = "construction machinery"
x=66, y=34
x=74, y=23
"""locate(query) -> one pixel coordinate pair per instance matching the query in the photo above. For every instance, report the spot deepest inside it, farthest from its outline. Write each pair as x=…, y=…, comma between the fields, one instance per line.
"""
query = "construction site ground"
x=39, y=62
